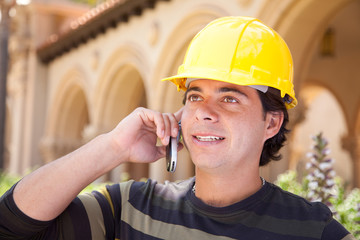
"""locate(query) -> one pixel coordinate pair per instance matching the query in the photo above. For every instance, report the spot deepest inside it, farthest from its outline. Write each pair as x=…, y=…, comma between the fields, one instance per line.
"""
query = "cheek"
x=249, y=131
x=257, y=132
x=256, y=119
x=185, y=123
x=185, y=114
x=186, y=117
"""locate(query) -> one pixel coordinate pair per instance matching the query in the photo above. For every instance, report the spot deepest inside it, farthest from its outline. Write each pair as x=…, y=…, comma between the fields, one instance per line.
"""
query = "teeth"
x=208, y=138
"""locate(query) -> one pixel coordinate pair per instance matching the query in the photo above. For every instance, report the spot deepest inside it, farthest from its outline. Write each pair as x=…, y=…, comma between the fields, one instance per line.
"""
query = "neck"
x=221, y=191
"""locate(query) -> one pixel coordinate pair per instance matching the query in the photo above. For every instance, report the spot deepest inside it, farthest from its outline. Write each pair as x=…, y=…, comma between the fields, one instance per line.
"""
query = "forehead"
x=203, y=84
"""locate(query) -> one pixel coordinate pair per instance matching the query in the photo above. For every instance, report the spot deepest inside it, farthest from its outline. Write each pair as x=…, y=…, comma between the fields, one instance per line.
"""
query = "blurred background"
x=71, y=70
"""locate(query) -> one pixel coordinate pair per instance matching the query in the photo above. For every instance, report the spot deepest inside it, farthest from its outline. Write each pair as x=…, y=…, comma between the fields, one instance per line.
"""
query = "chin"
x=207, y=162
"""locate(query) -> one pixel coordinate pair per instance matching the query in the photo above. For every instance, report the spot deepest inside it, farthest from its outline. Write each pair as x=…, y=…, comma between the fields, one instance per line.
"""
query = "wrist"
x=114, y=152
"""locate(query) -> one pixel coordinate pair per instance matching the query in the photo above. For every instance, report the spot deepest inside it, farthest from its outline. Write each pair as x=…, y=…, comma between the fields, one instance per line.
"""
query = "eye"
x=229, y=99
x=194, y=98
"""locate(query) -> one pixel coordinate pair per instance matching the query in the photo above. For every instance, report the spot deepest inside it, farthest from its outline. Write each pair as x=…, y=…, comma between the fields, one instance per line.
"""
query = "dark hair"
x=272, y=102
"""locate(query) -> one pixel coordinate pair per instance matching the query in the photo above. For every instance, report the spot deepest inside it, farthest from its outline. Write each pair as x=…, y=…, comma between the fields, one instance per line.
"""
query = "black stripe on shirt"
x=107, y=214
x=79, y=219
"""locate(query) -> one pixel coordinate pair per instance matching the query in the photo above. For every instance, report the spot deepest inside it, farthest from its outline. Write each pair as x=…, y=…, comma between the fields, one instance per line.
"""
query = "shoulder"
x=297, y=207
x=289, y=213
x=334, y=231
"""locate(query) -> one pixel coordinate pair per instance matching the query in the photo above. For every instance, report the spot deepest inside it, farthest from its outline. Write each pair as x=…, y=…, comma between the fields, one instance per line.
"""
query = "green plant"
x=6, y=181
x=95, y=186
x=91, y=3
x=347, y=207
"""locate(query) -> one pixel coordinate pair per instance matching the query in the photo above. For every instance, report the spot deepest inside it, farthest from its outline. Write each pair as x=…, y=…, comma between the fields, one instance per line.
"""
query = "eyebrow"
x=196, y=89
x=230, y=89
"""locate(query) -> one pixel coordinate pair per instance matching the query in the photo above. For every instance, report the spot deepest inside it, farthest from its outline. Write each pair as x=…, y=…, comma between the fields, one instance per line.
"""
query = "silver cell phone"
x=171, y=152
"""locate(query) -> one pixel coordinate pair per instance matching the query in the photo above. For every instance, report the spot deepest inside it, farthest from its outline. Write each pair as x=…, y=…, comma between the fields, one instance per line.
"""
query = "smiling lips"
x=208, y=138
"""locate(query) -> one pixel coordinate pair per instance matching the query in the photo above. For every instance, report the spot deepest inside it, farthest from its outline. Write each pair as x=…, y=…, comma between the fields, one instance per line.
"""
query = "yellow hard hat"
x=242, y=51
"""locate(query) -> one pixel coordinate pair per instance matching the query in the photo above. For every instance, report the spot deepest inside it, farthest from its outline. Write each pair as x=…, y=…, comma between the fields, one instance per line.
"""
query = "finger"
x=167, y=131
x=174, y=125
x=154, y=120
x=160, y=125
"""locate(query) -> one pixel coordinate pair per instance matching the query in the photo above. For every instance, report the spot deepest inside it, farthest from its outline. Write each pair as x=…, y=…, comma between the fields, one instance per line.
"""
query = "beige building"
x=76, y=72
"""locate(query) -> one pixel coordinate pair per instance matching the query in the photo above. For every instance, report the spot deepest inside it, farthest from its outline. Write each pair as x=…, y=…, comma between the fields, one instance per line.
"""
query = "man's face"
x=223, y=125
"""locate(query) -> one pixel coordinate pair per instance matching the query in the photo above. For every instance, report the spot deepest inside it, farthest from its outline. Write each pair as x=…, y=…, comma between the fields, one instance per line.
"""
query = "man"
x=237, y=75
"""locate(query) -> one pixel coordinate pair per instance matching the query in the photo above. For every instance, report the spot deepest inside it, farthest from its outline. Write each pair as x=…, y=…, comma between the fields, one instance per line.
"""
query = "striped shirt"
x=138, y=210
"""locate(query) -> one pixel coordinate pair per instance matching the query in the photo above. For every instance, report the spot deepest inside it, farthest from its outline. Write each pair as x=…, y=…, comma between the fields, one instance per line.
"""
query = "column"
x=351, y=143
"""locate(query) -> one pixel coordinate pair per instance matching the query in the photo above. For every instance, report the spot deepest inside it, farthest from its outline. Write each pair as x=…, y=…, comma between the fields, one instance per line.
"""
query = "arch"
x=316, y=85
x=68, y=116
x=120, y=83
x=339, y=71
x=324, y=114
x=119, y=91
x=303, y=24
x=123, y=93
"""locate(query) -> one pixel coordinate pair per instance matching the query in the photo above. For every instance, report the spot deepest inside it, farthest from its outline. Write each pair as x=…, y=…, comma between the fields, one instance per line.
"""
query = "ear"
x=274, y=121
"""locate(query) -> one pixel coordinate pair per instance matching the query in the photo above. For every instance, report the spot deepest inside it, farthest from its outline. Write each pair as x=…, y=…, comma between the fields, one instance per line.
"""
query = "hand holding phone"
x=171, y=152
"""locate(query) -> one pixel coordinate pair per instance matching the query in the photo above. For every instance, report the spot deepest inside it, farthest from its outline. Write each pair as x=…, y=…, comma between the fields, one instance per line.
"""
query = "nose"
x=206, y=112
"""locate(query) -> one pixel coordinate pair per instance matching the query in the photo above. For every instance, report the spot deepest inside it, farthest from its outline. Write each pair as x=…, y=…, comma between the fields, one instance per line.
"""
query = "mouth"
x=208, y=138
